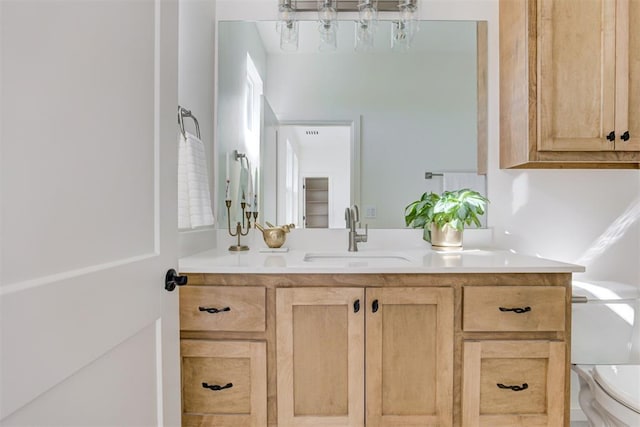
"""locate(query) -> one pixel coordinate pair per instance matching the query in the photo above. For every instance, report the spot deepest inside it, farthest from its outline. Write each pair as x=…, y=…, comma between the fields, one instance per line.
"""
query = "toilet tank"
x=605, y=329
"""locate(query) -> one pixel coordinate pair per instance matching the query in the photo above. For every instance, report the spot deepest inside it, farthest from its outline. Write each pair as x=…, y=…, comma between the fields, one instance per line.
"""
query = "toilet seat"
x=609, y=394
x=621, y=382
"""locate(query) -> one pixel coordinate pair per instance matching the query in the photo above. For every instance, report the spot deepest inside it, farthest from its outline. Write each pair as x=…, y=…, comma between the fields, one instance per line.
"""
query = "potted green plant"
x=444, y=216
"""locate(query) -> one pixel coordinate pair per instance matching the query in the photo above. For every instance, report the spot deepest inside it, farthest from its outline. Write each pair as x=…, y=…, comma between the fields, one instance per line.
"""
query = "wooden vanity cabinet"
x=377, y=349
x=569, y=84
x=515, y=356
x=322, y=347
x=223, y=356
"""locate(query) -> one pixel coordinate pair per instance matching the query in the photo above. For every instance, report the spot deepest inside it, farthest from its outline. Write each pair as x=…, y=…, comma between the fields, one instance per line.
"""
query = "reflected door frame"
x=355, y=142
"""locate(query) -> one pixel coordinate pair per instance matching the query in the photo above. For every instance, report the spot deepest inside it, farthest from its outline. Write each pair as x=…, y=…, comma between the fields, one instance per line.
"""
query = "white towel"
x=459, y=180
x=194, y=200
x=470, y=180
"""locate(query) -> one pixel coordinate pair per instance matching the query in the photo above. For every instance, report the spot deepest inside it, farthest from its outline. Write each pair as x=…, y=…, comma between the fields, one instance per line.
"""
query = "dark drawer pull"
x=356, y=306
x=513, y=387
x=216, y=387
x=518, y=310
x=214, y=310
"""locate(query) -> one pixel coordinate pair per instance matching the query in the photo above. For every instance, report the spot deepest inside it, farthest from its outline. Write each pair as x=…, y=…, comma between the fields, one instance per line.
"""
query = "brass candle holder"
x=240, y=230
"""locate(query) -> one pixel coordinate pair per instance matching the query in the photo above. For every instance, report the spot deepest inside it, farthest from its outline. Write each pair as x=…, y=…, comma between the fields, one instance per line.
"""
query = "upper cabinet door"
x=409, y=364
x=627, y=75
x=569, y=84
x=576, y=58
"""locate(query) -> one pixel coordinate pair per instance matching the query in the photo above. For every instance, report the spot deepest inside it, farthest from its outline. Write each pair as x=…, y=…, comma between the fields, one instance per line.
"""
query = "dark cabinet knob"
x=625, y=136
x=356, y=306
x=375, y=306
x=611, y=136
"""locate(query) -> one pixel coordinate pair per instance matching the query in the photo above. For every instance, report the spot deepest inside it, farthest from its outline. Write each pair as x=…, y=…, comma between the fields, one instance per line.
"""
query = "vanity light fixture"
x=328, y=28
x=403, y=30
x=366, y=25
x=287, y=25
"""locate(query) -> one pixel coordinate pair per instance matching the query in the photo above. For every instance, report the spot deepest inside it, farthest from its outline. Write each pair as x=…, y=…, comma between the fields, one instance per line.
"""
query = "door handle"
x=172, y=279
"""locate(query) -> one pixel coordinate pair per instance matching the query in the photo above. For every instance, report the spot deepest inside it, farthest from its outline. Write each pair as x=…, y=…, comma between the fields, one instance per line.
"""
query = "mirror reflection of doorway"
x=305, y=153
x=316, y=202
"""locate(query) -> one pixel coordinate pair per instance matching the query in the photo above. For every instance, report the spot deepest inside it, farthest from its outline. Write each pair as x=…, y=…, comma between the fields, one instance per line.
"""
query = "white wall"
x=234, y=42
x=196, y=58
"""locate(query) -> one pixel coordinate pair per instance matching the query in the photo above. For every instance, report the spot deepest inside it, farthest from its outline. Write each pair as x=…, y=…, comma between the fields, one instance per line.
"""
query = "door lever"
x=172, y=279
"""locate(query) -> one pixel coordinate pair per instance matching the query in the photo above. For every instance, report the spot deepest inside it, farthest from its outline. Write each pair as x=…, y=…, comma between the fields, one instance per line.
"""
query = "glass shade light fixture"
x=400, y=39
x=404, y=30
x=366, y=25
x=287, y=25
x=328, y=27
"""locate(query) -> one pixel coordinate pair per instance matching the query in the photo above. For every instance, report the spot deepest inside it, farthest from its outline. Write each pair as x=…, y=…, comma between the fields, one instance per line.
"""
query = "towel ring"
x=182, y=113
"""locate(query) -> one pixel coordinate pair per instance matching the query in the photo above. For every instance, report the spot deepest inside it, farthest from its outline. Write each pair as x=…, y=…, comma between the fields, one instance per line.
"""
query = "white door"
x=88, y=213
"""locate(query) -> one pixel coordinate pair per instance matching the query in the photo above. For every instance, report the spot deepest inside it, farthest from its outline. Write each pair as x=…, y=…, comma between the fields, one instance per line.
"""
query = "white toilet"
x=610, y=394
x=605, y=353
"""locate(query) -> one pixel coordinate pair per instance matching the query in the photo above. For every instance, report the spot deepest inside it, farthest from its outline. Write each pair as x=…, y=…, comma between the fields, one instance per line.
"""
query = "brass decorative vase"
x=446, y=238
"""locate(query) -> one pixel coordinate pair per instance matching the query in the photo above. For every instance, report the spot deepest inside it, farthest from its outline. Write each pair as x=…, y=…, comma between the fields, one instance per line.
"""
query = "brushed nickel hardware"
x=184, y=113
x=430, y=175
x=352, y=218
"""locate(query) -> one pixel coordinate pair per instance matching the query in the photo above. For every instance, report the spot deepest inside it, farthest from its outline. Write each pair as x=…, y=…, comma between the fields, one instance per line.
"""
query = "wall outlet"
x=370, y=212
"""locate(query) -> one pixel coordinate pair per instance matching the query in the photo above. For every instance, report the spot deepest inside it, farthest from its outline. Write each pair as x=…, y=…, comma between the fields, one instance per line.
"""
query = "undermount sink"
x=378, y=258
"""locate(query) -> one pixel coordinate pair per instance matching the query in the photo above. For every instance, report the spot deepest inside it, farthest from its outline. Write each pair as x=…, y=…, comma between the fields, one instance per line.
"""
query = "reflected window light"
x=612, y=234
x=613, y=301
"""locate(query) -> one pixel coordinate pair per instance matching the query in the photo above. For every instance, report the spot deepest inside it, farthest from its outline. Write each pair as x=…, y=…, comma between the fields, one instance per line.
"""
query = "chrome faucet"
x=352, y=217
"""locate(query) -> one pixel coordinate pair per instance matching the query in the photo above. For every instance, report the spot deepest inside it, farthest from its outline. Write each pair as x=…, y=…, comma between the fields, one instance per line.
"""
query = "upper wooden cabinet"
x=569, y=84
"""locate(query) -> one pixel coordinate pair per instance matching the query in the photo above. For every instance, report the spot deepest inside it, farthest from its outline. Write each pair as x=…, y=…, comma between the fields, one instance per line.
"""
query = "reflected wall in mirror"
x=371, y=123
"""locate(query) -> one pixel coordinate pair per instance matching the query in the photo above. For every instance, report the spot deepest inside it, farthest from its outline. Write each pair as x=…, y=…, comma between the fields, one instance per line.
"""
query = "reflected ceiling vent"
x=312, y=132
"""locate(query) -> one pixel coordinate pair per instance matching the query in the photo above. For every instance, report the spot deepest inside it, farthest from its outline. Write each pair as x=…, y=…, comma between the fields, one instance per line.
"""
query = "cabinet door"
x=513, y=384
x=320, y=356
x=628, y=75
x=576, y=74
x=224, y=383
x=409, y=364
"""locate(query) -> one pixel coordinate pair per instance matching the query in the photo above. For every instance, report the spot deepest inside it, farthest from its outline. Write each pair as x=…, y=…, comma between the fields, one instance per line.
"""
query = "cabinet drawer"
x=513, y=383
x=222, y=308
x=224, y=383
x=513, y=308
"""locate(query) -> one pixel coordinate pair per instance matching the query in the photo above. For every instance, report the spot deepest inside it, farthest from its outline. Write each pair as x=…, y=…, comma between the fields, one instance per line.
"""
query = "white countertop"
x=425, y=261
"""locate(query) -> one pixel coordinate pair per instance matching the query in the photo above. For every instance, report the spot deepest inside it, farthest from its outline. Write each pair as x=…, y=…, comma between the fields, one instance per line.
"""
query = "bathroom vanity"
x=471, y=338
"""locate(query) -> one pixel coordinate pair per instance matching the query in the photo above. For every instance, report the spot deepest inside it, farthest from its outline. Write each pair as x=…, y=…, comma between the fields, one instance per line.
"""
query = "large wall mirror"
x=323, y=130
